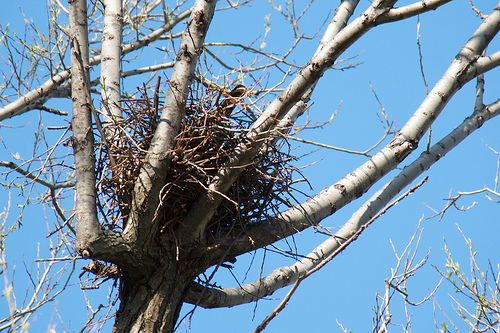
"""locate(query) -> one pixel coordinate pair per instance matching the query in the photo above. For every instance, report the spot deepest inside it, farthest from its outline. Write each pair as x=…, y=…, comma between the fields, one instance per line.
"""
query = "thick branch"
x=486, y=63
x=111, y=54
x=141, y=226
x=204, y=208
x=202, y=211
x=342, y=15
x=353, y=185
x=287, y=275
x=401, y=13
x=421, y=164
x=48, y=89
x=87, y=224
x=91, y=239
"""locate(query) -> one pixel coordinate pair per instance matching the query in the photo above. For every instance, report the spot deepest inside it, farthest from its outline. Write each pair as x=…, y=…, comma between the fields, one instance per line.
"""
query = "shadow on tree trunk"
x=153, y=304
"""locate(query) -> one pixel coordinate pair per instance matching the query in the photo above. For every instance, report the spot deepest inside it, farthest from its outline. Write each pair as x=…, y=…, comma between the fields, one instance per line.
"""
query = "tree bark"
x=110, y=64
x=153, y=305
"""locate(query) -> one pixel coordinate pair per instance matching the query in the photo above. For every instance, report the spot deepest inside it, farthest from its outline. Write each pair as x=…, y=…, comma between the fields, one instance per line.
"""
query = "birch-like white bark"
x=91, y=239
x=155, y=167
x=354, y=184
x=65, y=89
x=87, y=224
x=338, y=22
x=45, y=91
x=284, y=276
x=340, y=18
x=463, y=68
x=110, y=59
x=203, y=209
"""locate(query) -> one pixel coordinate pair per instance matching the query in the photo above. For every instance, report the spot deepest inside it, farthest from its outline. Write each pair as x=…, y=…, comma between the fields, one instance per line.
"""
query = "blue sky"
x=343, y=291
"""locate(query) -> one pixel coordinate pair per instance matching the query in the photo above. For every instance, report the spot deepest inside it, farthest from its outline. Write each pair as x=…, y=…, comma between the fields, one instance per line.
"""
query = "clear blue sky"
x=343, y=291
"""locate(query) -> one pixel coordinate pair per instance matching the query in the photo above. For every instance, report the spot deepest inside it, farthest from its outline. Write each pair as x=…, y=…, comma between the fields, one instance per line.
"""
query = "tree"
x=166, y=188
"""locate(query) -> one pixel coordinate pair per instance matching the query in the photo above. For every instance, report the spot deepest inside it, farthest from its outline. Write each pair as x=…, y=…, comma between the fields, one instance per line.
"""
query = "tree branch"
x=284, y=276
x=401, y=13
x=155, y=168
x=30, y=175
x=87, y=224
x=111, y=59
x=204, y=208
x=48, y=89
x=91, y=239
x=353, y=185
x=359, y=221
x=487, y=63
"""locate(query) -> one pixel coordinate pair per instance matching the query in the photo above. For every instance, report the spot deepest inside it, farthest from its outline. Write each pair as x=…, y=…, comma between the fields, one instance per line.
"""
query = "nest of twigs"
x=202, y=147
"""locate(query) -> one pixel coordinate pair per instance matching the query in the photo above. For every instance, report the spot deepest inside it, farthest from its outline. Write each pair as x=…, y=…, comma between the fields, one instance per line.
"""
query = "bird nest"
x=202, y=147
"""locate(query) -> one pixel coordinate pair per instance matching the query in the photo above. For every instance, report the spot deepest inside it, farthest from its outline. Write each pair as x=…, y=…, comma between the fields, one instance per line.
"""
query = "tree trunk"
x=153, y=304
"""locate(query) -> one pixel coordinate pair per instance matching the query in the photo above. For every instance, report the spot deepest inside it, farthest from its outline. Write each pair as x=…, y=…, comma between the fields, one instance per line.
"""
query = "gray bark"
x=141, y=227
x=49, y=88
x=153, y=304
x=157, y=274
x=111, y=54
x=152, y=297
x=284, y=276
x=464, y=67
x=87, y=225
x=378, y=13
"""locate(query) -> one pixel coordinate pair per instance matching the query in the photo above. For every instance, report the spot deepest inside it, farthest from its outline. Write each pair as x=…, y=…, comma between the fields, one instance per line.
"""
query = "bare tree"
x=475, y=301
x=476, y=290
x=190, y=170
